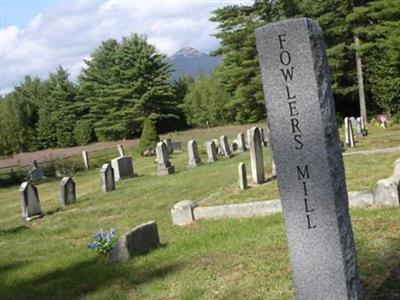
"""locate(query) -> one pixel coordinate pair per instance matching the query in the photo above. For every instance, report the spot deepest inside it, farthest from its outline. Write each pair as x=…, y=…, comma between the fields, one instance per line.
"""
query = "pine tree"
x=149, y=137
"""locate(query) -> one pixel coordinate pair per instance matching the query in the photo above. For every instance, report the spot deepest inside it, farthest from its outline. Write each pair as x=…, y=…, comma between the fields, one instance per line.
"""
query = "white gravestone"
x=107, y=180
x=225, y=149
x=241, y=142
x=212, y=152
x=121, y=150
x=168, y=143
x=30, y=203
x=242, y=176
x=309, y=164
x=123, y=167
x=256, y=155
x=67, y=192
x=164, y=165
x=85, y=158
x=193, y=153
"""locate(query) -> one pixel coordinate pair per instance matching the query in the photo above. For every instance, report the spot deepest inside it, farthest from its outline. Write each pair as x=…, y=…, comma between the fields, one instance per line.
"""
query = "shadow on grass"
x=381, y=280
x=79, y=280
x=14, y=230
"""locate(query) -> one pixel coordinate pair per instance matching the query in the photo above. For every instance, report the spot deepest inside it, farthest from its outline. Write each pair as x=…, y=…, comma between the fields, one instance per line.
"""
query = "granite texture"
x=309, y=164
x=30, y=203
x=256, y=155
x=123, y=167
x=67, y=191
x=107, y=180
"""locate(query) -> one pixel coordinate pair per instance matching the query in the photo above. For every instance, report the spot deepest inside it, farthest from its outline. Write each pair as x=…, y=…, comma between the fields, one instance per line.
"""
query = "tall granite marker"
x=306, y=149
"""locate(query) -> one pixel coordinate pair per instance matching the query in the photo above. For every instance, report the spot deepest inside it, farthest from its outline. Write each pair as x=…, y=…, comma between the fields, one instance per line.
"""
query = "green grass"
x=224, y=259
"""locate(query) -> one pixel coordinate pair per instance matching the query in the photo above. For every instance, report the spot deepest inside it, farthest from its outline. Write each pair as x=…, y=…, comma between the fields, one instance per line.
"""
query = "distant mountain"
x=192, y=62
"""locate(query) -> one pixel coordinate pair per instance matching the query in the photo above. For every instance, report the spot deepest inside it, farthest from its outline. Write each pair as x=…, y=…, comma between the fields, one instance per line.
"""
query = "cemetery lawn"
x=48, y=258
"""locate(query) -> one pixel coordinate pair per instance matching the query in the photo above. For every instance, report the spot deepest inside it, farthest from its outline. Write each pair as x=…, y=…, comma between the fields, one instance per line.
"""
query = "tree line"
x=125, y=83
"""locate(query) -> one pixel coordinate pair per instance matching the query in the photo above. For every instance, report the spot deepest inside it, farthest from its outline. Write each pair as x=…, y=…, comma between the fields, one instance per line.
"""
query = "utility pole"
x=361, y=93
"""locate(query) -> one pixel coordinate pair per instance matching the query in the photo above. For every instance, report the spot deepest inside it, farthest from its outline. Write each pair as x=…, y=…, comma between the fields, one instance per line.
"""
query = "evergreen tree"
x=377, y=24
x=149, y=137
x=57, y=113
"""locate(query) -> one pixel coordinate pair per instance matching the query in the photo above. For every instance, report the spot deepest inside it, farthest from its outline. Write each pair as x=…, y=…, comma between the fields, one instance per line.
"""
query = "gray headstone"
x=346, y=131
x=121, y=150
x=353, y=122
x=107, y=180
x=351, y=134
x=123, y=167
x=358, y=126
x=226, y=151
x=168, y=143
x=242, y=176
x=164, y=165
x=262, y=134
x=193, y=153
x=241, y=142
x=30, y=203
x=212, y=152
x=85, y=158
x=386, y=193
x=67, y=191
x=396, y=171
x=176, y=146
x=306, y=149
x=364, y=131
x=137, y=241
x=36, y=173
x=256, y=155
x=273, y=168
x=182, y=212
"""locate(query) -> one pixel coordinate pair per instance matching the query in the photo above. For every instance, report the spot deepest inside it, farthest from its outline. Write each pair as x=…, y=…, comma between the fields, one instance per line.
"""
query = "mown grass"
x=224, y=259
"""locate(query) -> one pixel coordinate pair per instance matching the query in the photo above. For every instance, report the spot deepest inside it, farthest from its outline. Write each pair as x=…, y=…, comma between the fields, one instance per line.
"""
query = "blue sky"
x=39, y=35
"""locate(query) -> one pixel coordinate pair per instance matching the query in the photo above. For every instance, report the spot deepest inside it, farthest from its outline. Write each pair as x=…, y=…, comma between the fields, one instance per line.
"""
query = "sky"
x=36, y=36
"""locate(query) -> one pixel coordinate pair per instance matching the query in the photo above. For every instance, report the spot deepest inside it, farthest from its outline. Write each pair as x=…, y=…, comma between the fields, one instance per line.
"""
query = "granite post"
x=193, y=153
x=85, y=157
x=121, y=150
x=256, y=155
x=164, y=165
x=242, y=176
x=30, y=203
x=107, y=180
x=309, y=163
x=67, y=192
x=212, y=153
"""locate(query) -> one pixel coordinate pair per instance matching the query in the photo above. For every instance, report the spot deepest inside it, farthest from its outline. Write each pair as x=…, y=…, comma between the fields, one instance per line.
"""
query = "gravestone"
x=170, y=149
x=234, y=146
x=241, y=142
x=36, y=173
x=123, y=167
x=107, y=180
x=225, y=150
x=137, y=241
x=346, y=131
x=121, y=150
x=30, y=203
x=358, y=126
x=273, y=168
x=212, y=153
x=364, y=131
x=242, y=176
x=309, y=163
x=85, y=157
x=256, y=155
x=262, y=134
x=351, y=133
x=193, y=153
x=176, y=147
x=164, y=165
x=353, y=122
x=67, y=191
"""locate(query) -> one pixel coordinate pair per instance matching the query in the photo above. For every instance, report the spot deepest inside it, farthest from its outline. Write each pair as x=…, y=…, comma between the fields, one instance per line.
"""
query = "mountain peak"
x=189, y=52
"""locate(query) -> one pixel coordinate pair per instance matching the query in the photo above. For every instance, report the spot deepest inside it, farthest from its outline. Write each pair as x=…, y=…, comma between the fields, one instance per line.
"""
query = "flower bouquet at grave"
x=104, y=241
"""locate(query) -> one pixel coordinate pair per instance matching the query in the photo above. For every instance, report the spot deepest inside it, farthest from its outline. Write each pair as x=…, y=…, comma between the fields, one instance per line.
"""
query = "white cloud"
x=68, y=32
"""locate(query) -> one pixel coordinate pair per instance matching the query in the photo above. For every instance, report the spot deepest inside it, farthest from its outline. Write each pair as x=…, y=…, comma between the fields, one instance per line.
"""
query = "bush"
x=65, y=166
x=84, y=133
x=149, y=138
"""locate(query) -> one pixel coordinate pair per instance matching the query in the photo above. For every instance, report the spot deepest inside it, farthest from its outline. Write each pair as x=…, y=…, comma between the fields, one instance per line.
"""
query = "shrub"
x=84, y=133
x=149, y=137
